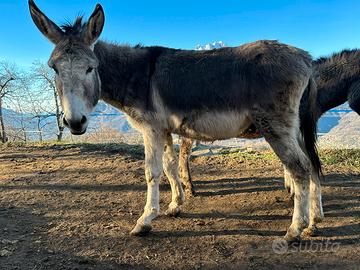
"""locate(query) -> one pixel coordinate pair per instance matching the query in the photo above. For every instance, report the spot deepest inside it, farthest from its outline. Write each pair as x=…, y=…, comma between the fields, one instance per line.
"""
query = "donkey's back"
x=229, y=78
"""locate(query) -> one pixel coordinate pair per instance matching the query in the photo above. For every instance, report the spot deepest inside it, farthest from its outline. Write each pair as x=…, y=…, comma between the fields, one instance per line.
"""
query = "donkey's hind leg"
x=316, y=210
x=171, y=171
x=316, y=213
x=299, y=168
x=280, y=133
x=184, y=168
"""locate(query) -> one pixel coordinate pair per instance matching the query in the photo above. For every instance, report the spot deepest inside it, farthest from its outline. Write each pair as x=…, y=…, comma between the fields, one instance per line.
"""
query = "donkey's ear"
x=95, y=25
x=45, y=25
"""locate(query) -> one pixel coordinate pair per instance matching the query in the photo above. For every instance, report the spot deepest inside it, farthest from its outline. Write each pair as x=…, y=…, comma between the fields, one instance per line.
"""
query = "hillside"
x=344, y=135
x=104, y=116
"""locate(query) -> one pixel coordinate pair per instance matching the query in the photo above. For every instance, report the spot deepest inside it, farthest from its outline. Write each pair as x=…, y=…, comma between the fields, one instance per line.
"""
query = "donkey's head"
x=75, y=64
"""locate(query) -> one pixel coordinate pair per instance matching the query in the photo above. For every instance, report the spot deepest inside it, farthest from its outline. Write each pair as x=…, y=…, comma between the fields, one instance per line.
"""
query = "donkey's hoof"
x=290, y=239
x=319, y=217
x=310, y=231
x=140, y=230
x=173, y=211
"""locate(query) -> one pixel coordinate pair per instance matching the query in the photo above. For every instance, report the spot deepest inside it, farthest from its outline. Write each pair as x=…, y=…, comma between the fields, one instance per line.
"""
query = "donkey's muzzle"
x=77, y=127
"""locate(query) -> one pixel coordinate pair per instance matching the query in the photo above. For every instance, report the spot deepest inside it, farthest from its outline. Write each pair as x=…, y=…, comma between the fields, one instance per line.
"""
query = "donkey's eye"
x=89, y=70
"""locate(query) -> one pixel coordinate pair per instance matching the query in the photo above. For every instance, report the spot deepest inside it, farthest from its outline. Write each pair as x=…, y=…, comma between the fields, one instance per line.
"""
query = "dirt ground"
x=73, y=206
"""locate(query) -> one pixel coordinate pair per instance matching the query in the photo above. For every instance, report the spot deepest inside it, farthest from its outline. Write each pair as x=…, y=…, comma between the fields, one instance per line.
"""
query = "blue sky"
x=321, y=27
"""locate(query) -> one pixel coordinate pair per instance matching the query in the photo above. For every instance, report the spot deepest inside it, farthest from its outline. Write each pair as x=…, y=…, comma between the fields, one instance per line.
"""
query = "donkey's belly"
x=214, y=125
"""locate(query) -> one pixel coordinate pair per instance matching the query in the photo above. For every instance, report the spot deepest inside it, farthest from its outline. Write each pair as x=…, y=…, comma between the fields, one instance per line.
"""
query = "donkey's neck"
x=334, y=76
x=125, y=75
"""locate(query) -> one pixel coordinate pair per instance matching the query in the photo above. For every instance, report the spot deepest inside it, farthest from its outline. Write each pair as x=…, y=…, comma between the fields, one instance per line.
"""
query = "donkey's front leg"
x=171, y=171
x=154, y=149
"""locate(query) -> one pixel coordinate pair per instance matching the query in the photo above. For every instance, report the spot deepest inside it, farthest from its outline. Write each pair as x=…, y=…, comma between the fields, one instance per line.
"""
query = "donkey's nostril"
x=75, y=125
x=83, y=120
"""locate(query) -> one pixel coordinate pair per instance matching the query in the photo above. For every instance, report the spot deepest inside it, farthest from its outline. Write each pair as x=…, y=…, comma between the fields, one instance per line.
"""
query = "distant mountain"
x=16, y=123
x=104, y=115
x=104, y=108
x=344, y=106
x=344, y=135
x=11, y=113
x=210, y=46
x=332, y=118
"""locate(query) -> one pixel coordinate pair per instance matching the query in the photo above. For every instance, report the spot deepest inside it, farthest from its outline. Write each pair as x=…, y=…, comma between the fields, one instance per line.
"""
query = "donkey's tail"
x=308, y=124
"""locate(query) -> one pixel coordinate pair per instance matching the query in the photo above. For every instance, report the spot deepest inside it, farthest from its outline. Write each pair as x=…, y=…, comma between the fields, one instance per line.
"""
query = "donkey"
x=338, y=81
x=196, y=94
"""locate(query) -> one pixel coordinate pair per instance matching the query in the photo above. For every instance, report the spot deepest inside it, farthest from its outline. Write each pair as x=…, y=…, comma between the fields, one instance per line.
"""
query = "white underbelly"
x=214, y=125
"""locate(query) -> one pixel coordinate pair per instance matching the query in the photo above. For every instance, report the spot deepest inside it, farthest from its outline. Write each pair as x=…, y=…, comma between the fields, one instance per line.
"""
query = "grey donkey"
x=338, y=81
x=196, y=94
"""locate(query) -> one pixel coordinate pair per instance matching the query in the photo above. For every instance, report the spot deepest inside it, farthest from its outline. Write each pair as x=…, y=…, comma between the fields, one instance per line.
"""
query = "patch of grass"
x=341, y=157
x=249, y=154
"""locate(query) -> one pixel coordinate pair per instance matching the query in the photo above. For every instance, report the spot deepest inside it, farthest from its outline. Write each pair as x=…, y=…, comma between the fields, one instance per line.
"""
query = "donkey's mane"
x=343, y=55
x=339, y=67
x=335, y=75
x=74, y=28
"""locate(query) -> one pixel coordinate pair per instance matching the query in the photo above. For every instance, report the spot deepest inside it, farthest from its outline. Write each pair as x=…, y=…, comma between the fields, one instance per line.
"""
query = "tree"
x=8, y=74
x=18, y=123
x=44, y=80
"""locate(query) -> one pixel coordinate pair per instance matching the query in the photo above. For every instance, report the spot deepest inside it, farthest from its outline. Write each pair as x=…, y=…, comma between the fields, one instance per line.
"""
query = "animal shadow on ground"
x=227, y=186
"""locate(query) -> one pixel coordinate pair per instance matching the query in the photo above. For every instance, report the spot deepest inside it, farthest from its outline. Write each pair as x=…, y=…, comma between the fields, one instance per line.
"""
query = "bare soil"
x=73, y=206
